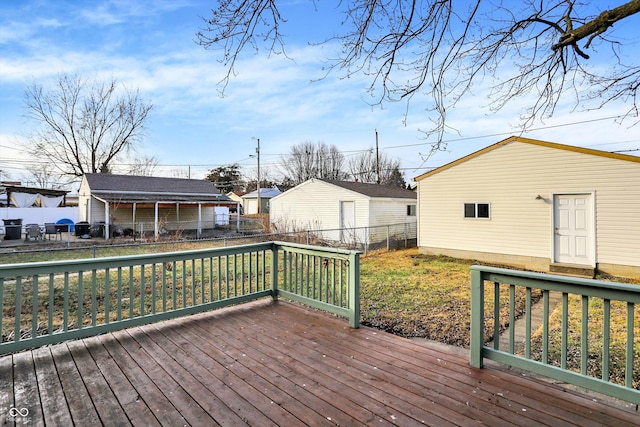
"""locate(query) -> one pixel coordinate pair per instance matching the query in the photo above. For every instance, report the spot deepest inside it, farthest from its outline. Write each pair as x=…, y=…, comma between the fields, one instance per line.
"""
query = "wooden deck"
x=272, y=364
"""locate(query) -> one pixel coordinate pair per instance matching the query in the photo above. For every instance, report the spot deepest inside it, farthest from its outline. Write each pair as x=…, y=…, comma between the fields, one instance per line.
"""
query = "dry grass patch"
x=415, y=295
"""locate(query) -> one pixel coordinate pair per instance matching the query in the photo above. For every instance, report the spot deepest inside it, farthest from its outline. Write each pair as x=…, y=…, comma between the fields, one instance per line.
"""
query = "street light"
x=258, y=183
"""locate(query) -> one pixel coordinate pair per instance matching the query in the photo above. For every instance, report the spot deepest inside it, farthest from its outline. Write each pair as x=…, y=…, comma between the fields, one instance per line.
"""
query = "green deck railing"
x=589, y=338
x=49, y=302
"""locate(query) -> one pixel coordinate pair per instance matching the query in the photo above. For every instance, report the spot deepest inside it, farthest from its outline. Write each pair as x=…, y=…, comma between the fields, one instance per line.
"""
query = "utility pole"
x=258, y=183
x=377, y=159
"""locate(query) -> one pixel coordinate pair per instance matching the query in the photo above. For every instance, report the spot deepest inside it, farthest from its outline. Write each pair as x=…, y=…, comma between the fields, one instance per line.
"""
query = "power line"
x=347, y=153
x=468, y=138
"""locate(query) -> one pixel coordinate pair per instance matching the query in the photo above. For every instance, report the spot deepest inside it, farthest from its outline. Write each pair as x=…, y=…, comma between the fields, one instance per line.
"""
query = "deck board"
x=6, y=388
x=101, y=394
x=25, y=389
x=52, y=401
x=129, y=399
x=269, y=363
x=82, y=410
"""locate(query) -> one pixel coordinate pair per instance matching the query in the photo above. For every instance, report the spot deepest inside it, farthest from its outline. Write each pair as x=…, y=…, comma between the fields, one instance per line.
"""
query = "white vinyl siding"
x=84, y=194
x=511, y=177
x=315, y=205
x=388, y=212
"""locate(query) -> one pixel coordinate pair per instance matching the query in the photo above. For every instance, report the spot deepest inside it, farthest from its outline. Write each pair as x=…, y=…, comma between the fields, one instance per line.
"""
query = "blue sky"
x=151, y=45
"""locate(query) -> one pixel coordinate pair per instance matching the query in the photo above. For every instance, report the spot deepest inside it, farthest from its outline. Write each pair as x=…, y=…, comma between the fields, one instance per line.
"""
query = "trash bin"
x=97, y=229
x=13, y=229
x=82, y=229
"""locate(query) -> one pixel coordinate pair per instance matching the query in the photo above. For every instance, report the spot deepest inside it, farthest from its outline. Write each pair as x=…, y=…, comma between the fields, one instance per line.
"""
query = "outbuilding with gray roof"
x=150, y=203
x=353, y=213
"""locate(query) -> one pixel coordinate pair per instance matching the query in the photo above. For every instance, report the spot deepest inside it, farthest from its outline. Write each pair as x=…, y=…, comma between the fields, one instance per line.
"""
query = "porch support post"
x=178, y=216
x=156, y=231
x=199, y=233
x=133, y=221
x=106, y=221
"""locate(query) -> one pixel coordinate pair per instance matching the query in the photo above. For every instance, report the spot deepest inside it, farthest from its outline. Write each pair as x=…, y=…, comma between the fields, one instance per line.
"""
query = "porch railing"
x=588, y=334
x=49, y=302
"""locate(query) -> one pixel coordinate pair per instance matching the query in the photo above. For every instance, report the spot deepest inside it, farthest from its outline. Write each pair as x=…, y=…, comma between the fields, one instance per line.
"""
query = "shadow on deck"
x=269, y=363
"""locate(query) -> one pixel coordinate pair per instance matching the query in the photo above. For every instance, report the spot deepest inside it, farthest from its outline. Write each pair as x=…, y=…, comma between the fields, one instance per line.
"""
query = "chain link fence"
x=236, y=232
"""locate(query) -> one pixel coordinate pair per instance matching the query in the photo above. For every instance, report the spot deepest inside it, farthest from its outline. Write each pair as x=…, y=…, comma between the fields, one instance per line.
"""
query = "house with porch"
x=536, y=205
x=125, y=203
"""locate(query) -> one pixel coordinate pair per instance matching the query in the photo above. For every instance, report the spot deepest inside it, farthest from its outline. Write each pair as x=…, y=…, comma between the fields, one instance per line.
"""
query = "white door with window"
x=573, y=229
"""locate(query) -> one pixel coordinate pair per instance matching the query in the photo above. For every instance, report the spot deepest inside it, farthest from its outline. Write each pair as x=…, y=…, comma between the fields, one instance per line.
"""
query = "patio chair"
x=50, y=228
x=33, y=231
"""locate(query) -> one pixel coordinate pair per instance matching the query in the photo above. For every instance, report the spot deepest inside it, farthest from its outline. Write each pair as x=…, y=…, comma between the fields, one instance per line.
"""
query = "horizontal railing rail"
x=589, y=337
x=49, y=302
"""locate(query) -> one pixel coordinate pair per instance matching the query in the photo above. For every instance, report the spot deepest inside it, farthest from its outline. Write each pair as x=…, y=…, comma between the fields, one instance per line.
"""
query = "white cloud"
x=144, y=47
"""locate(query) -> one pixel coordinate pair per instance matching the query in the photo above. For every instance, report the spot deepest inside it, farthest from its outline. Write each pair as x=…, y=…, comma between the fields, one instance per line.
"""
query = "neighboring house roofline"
x=511, y=139
x=145, y=189
x=115, y=183
x=265, y=193
x=220, y=196
x=373, y=190
x=378, y=191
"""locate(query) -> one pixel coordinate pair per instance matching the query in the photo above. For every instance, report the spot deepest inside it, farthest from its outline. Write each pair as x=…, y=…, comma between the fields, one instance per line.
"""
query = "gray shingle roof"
x=148, y=188
x=374, y=190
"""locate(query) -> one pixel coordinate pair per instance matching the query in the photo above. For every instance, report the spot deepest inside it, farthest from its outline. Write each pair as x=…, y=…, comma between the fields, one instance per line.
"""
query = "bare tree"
x=84, y=125
x=250, y=179
x=142, y=165
x=43, y=175
x=440, y=48
x=309, y=160
x=373, y=168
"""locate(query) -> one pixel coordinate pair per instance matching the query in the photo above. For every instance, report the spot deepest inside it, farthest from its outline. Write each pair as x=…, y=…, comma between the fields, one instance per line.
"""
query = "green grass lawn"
x=416, y=295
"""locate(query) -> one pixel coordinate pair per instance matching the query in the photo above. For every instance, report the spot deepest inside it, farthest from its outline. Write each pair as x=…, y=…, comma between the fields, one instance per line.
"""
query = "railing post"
x=274, y=271
x=354, y=290
x=477, y=318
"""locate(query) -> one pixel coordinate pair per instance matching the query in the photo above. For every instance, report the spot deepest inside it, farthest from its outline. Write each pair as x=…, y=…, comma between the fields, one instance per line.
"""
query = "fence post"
x=406, y=235
x=477, y=318
x=387, y=238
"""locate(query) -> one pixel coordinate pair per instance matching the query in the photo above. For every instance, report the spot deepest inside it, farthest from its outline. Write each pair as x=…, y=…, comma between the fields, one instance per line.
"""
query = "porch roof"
x=113, y=197
x=140, y=189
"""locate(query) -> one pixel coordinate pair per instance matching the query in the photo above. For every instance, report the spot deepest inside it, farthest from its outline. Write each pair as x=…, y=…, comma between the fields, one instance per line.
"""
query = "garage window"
x=477, y=210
